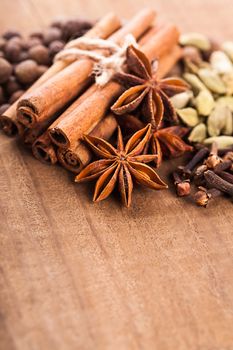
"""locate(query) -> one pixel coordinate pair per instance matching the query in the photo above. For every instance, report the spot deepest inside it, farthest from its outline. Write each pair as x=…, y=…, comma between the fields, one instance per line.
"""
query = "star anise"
x=124, y=165
x=163, y=142
x=168, y=142
x=146, y=91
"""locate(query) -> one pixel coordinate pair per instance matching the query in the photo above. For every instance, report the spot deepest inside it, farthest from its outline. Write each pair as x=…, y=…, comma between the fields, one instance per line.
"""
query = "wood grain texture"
x=74, y=275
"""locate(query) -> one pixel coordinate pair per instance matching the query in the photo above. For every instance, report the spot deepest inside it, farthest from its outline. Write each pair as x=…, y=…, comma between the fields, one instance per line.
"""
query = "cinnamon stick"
x=69, y=83
x=74, y=159
x=8, y=120
x=72, y=124
x=43, y=151
x=42, y=148
x=168, y=61
x=78, y=155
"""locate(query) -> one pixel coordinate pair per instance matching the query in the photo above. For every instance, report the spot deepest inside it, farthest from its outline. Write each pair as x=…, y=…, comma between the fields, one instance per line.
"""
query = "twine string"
x=107, y=63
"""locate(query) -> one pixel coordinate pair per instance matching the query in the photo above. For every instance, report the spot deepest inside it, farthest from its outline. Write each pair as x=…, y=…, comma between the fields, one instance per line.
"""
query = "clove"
x=225, y=165
x=213, y=160
x=226, y=176
x=198, y=157
x=203, y=195
x=182, y=186
x=213, y=180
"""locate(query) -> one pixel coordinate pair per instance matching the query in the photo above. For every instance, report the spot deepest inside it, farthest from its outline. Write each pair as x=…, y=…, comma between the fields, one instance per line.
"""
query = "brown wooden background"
x=75, y=275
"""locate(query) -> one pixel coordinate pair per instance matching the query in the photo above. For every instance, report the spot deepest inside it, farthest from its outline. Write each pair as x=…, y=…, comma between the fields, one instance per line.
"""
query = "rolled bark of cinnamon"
x=137, y=27
x=169, y=60
x=79, y=155
x=42, y=148
x=72, y=124
x=102, y=29
x=50, y=97
x=44, y=151
x=75, y=158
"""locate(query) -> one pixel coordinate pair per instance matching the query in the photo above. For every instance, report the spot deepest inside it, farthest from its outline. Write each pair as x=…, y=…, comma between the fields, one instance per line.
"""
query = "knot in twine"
x=106, y=64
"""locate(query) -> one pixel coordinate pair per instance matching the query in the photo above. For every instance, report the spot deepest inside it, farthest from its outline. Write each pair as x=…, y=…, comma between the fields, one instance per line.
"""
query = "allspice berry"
x=23, y=56
x=27, y=71
x=55, y=47
x=37, y=34
x=3, y=108
x=74, y=28
x=10, y=34
x=12, y=51
x=2, y=97
x=52, y=34
x=12, y=86
x=5, y=70
x=58, y=23
x=16, y=95
x=2, y=43
x=41, y=70
x=32, y=42
x=40, y=54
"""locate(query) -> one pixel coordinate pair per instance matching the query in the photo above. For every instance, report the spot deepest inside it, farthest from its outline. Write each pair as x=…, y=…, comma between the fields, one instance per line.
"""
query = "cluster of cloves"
x=24, y=60
x=211, y=171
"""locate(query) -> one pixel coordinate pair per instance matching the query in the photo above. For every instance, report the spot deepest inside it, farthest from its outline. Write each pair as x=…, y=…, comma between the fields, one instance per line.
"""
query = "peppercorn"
x=37, y=34
x=41, y=70
x=10, y=34
x=55, y=47
x=12, y=85
x=5, y=70
x=23, y=56
x=40, y=54
x=2, y=43
x=15, y=96
x=57, y=23
x=32, y=42
x=2, y=97
x=74, y=28
x=3, y=108
x=27, y=71
x=12, y=51
x=52, y=34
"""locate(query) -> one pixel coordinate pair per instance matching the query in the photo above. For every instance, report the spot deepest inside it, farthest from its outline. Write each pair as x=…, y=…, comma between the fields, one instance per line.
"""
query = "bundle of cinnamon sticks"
x=65, y=103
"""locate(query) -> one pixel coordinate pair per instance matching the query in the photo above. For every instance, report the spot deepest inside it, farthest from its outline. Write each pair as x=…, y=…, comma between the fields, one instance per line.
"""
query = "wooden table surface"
x=77, y=275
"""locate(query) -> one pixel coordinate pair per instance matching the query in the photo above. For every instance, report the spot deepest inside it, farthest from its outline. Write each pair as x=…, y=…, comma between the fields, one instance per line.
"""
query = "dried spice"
x=146, y=91
x=124, y=165
x=198, y=134
x=197, y=40
x=182, y=185
x=210, y=171
x=168, y=142
x=210, y=75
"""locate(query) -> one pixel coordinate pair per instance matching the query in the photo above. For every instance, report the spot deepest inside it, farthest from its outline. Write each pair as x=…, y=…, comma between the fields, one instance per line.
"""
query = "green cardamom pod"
x=221, y=62
x=228, y=81
x=217, y=120
x=181, y=100
x=228, y=127
x=204, y=102
x=228, y=49
x=226, y=101
x=195, y=39
x=222, y=141
x=189, y=116
x=195, y=82
x=198, y=134
x=212, y=80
